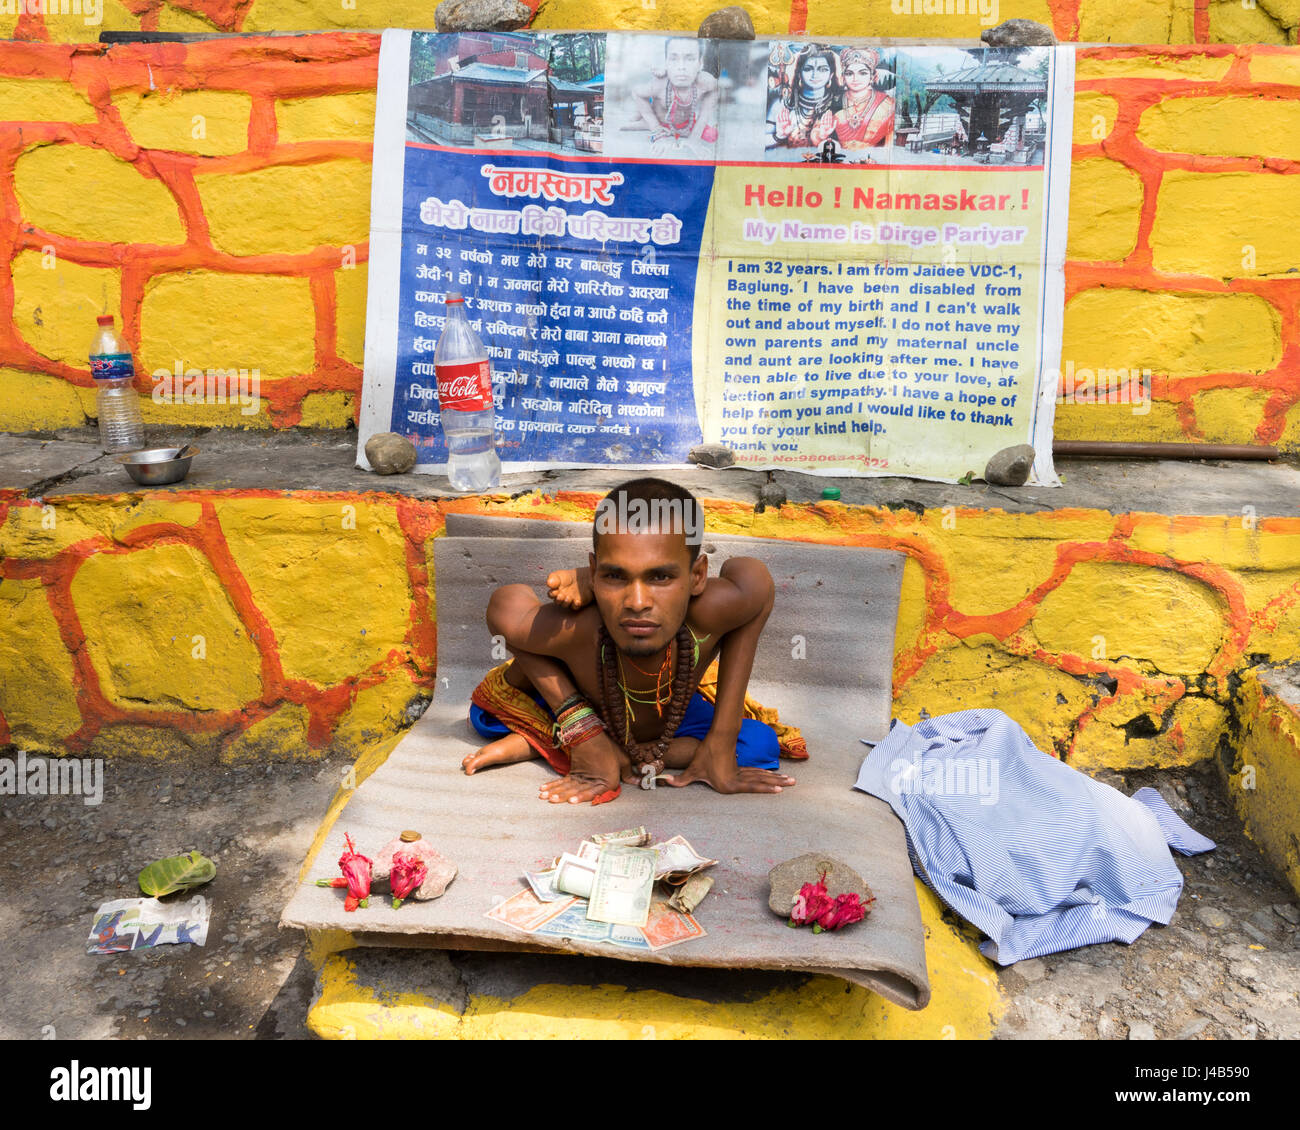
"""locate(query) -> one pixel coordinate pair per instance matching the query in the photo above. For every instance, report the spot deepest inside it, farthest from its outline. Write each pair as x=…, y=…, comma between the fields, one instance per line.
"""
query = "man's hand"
x=714, y=763
x=595, y=769
x=570, y=587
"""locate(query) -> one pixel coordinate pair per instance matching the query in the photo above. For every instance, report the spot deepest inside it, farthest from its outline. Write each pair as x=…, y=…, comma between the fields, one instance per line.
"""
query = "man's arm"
x=641, y=98
x=740, y=604
x=708, y=105
x=526, y=624
x=539, y=636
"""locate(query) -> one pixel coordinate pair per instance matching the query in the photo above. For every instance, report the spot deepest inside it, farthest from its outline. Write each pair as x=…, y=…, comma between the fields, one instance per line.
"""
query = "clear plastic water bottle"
x=465, y=403
x=121, y=427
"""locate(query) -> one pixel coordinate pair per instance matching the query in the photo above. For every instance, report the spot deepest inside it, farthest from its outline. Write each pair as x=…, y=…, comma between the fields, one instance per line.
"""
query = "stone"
x=1195, y=1028
x=481, y=15
x=786, y=879
x=1031, y=970
x=770, y=494
x=1263, y=920
x=1010, y=467
x=1288, y=910
x=1141, y=1030
x=711, y=455
x=1212, y=917
x=1257, y=935
x=1019, y=33
x=441, y=869
x=727, y=23
x=390, y=454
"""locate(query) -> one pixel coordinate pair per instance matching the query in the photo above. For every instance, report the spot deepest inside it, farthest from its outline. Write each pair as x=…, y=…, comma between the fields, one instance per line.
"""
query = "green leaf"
x=177, y=873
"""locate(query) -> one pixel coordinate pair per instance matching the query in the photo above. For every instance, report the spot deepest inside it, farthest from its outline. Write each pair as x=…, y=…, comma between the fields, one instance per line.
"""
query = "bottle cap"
x=454, y=296
x=409, y=837
x=105, y=319
x=832, y=494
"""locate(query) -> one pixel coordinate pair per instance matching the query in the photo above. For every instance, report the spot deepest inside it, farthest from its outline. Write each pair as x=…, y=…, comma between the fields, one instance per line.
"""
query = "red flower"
x=356, y=870
x=847, y=909
x=811, y=903
x=407, y=874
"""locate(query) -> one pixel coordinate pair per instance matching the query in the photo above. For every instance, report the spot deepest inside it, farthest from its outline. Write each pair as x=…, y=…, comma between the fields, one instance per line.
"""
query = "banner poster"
x=832, y=257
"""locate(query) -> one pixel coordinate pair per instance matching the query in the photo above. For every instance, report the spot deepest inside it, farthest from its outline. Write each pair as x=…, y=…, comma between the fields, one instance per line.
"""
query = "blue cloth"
x=757, y=746
x=1037, y=855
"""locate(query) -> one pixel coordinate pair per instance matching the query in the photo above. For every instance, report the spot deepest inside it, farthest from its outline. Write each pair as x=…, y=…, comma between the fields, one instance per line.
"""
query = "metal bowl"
x=157, y=466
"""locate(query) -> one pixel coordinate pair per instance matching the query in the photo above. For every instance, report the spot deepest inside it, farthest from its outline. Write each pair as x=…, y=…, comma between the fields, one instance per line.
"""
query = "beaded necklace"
x=616, y=700
x=674, y=102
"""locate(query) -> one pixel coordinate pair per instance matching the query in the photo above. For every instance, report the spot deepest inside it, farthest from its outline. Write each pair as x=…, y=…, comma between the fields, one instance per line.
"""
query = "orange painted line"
x=421, y=524
x=1065, y=19
x=1201, y=21
x=798, y=17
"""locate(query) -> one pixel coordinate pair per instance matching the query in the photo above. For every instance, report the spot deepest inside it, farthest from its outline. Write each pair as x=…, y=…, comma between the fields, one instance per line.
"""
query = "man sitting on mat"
x=612, y=681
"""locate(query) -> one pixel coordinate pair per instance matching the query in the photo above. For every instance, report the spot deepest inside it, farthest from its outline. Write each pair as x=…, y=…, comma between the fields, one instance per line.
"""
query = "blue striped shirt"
x=1036, y=854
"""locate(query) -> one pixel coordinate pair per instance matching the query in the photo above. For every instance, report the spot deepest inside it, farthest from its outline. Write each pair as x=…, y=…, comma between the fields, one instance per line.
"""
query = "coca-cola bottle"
x=465, y=402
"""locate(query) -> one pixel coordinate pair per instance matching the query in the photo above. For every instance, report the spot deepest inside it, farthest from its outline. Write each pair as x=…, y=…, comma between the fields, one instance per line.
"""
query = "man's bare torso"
x=580, y=654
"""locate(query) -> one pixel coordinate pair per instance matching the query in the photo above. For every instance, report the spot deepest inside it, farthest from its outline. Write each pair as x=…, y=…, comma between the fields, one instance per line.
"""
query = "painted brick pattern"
x=1183, y=243
x=215, y=197
x=292, y=625
x=1084, y=21
x=152, y=183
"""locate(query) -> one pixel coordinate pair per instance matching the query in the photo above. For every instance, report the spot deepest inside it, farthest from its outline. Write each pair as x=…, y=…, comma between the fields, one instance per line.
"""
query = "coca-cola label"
x=465, y=388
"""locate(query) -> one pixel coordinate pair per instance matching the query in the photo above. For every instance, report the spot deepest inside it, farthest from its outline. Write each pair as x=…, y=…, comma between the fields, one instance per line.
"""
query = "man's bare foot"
x=595, y=770
x=503, y=751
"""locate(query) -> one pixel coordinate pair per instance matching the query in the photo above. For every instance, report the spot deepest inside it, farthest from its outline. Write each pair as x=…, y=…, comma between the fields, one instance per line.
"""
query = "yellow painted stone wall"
x=1085, y=21
x=1264, y=780
x=241, y=624
x=215, y=198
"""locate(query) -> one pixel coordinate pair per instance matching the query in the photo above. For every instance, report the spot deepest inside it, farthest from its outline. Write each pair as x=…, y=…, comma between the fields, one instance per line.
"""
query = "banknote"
x=629, y=837
x=677, y=857
x=588, y=849
x=525, y=911
x=620, y=892
x=575, y=876
x=691, y=893
x=572, y=923
x=543, y=884
x=666, y=927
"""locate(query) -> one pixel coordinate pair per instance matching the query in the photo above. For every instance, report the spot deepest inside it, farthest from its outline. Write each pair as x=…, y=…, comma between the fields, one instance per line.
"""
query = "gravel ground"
x=1227, y=967
x=59, y=859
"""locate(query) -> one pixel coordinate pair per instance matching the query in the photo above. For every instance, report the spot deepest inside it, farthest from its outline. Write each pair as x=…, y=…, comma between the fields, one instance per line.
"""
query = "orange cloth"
x=520, y=714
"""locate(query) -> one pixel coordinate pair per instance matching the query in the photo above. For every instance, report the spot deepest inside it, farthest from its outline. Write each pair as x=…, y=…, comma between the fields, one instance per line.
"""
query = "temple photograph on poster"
x=491, y=90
